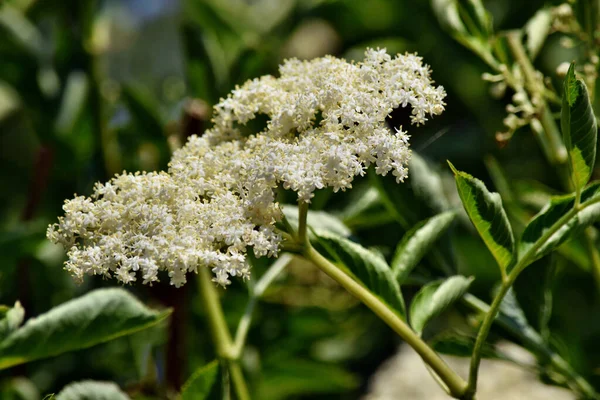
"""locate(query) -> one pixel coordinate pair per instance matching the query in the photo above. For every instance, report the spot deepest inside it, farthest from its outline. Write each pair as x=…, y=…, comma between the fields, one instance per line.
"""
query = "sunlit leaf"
x=97, y=317
x=579, y=129
x=556, y=223
x=488, y=216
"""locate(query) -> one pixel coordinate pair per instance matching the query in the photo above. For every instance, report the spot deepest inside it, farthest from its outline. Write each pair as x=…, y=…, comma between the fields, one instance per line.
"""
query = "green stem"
x=258, y=290
x=220, y=332
x=454, y=383
x=302, y=216
x=484, y=330
x=527, y=259
x=238, y=380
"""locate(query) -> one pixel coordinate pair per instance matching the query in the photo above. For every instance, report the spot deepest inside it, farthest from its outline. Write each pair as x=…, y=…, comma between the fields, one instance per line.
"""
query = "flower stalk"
x=220, y=333
x=453, y=383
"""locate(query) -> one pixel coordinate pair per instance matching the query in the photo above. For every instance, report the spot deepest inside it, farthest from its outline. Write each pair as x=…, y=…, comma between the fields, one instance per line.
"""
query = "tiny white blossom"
x=326, y=124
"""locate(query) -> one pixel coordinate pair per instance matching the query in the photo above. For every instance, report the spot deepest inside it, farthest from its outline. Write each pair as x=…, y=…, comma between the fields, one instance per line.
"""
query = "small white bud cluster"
x=325, y=126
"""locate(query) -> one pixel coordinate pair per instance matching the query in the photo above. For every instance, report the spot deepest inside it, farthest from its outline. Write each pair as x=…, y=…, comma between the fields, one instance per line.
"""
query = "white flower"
x=326, y=124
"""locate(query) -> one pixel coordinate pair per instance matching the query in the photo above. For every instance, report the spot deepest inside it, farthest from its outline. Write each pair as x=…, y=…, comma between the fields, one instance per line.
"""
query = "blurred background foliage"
x=90, y=88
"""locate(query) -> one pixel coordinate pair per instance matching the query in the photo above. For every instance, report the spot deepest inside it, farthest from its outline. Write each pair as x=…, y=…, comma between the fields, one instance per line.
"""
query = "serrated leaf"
x=11, y=320
x=97, y=317
x=434, y=298
x=417, y=242
x=91, y=390
x=204, y=384
x=318, y=220
x=485, y=210
x=543, y=224
x=367, y=267
x=579, y=129
x=537, y=30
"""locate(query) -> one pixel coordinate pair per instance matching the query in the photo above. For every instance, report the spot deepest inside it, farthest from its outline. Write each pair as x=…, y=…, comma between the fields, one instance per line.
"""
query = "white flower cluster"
x=325, y=125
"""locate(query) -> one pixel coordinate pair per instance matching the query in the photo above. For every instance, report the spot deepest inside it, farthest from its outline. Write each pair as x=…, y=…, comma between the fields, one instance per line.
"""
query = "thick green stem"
x=220, y=332
x=454, y=383
x=214, y=312
x=238, y=380
x=482, y=336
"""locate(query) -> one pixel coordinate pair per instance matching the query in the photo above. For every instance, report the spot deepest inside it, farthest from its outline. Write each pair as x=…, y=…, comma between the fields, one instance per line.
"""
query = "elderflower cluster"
x=325, y=124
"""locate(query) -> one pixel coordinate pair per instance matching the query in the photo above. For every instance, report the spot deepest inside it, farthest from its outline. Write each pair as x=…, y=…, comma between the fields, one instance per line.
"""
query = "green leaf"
x=434, y=298
x=73, y=102
x=488, y=216
x=91, y=390
x=468, y=22
x=11, y=319
x=97, y=317
x=204, y=384
x=448, y=15
x=537, y=30
x=367, y=267
x=473, y=10
x=417, y=242
x=579, y=129
x=560, y=209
